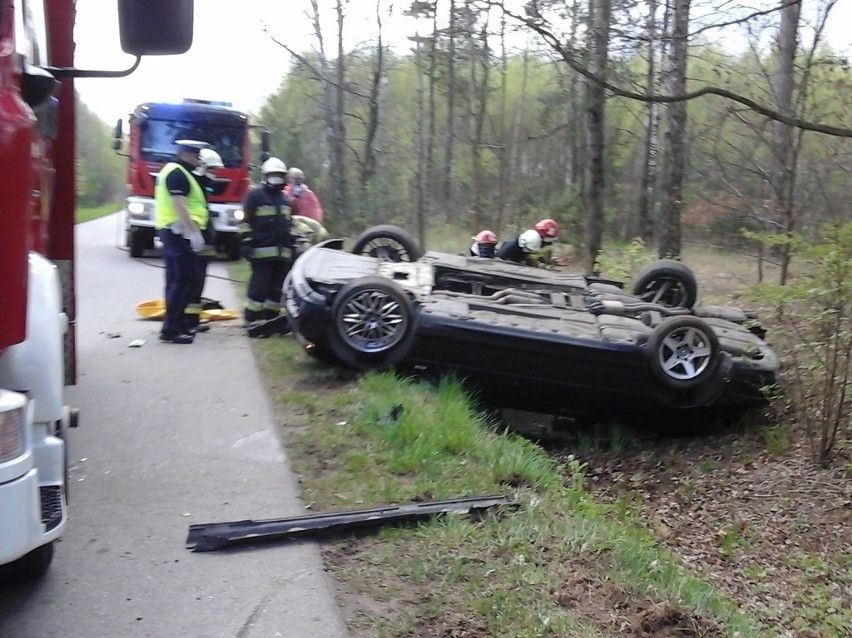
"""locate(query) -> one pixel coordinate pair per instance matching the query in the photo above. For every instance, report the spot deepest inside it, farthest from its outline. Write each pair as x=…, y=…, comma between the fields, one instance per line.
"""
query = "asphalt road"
x=170, y=435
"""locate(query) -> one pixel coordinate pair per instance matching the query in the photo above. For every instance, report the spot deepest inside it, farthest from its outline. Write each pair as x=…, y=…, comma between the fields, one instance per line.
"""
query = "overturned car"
x=528, y=338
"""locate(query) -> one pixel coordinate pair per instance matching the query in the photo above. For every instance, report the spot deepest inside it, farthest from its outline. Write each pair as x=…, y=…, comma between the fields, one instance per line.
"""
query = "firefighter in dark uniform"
x=180, y=214
x=266, y=240
x=532, y=247
x=205, y=173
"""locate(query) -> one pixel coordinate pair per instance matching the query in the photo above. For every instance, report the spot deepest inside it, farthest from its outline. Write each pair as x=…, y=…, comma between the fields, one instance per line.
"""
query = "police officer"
x=267, y=242
x=205, y=173
x=180, y=214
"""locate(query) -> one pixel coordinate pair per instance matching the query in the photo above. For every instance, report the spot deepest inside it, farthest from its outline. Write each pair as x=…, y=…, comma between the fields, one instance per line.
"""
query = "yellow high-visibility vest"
x=165, y=213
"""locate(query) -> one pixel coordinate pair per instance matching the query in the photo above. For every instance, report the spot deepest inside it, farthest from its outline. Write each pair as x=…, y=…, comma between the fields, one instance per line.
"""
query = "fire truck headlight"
x=237, y=215
x=140, y=210
x=12, y=423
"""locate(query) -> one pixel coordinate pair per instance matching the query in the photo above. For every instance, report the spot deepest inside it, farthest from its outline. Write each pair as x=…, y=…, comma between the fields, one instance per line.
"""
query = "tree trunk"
x=599, y=17
x=449, y=140
x=648, y=186
x=672, y=204
x=783, y=152
x=370, y=164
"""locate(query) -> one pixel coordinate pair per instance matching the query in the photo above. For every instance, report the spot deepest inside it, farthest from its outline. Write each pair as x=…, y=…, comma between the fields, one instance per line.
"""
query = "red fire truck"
x=154, y=127
x=37, y=187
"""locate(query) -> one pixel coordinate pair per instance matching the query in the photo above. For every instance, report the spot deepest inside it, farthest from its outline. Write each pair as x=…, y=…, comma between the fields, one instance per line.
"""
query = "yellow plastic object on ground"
x=218, y=314
x=154, y=309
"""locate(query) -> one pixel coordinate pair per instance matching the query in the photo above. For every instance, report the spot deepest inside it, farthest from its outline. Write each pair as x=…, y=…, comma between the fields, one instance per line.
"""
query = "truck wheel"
x=28, y=567
x=233, y=249
x=139, y=240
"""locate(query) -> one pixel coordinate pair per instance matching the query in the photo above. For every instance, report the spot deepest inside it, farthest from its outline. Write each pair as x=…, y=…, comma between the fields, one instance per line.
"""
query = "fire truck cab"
x=37, y=187
x=153, y=129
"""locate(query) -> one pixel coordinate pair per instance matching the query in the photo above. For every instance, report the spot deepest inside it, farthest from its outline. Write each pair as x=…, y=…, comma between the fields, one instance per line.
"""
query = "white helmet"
x=530, y=241
x=295, y=173
x=210, y=158
x=273, y=165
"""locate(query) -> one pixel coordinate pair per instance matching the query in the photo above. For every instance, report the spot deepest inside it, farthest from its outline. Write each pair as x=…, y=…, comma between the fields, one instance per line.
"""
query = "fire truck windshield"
x=157, y=138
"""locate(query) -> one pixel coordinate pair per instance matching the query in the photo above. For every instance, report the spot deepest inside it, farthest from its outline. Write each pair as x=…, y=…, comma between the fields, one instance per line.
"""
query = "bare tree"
x=672, y=204
x=599, y=23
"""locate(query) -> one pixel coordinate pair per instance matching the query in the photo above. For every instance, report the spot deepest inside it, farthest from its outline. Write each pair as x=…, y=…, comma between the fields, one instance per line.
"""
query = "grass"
x=362, y=441
x=88, y=214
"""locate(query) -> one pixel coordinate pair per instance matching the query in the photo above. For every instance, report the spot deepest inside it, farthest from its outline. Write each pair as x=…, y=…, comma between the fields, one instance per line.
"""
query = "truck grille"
x=51, y=506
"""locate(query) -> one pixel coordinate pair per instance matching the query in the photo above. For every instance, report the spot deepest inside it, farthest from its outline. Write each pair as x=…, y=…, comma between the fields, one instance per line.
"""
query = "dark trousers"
x=264, y=287
x=181, y=278
x=193, y=310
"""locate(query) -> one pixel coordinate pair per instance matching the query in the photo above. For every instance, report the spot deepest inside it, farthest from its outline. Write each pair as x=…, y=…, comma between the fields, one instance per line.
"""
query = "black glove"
x=245, y=250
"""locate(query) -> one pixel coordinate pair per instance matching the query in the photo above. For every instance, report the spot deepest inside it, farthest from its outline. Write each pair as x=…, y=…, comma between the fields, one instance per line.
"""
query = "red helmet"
x=547, y=228
x=485, y=237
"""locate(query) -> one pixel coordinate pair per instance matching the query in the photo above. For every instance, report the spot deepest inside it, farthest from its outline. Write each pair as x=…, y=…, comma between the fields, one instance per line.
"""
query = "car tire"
x=387, y=242
x=373, y=324
x=683, y=352
x=30, y=566
x=139, y=240
x=667, y=282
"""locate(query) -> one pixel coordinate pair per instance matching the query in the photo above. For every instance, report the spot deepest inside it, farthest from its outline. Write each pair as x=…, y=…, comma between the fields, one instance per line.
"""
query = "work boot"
x=181, y=338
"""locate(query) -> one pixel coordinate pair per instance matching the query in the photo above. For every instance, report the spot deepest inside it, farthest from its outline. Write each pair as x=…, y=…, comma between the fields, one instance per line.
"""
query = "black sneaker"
x=181, y=338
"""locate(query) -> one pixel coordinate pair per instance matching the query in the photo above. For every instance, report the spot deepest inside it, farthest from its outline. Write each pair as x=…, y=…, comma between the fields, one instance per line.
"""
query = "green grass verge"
x=87, y=214
x=361, y=441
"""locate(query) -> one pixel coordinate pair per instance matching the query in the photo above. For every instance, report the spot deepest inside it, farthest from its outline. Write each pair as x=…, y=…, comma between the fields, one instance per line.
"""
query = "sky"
x=232, y=59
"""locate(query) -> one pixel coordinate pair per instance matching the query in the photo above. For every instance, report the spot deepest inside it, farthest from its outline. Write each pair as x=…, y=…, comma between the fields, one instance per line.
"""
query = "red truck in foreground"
x=37, y=187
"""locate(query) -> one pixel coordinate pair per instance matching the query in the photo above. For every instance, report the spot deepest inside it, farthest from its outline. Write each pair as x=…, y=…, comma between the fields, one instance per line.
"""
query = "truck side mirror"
x=117, y=135
x=155, y=27
x=266, y=143
x=37, y=85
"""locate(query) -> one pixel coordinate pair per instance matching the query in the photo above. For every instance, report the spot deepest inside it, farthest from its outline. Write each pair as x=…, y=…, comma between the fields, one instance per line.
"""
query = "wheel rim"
x=371, y=321
x=665, y=291
x=685, y=354
x=387, y=249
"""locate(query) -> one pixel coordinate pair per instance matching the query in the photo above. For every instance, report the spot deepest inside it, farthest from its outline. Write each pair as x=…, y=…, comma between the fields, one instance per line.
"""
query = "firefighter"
x=205, y=173
x=484, y=244
x=266, y=240
x=532, y=247
x=180, y=214
x=521, y=249
x=305, y=203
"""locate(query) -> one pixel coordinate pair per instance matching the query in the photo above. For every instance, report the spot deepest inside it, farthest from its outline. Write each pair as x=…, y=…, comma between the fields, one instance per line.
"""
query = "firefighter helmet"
x=548, y=229
x=485, y=237
x=210, y=158
x=295, y=173
x=530, y=241
x=273, y=165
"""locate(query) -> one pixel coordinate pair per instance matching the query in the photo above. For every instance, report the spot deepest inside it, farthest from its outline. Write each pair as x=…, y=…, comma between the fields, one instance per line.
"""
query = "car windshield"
x=158, y=137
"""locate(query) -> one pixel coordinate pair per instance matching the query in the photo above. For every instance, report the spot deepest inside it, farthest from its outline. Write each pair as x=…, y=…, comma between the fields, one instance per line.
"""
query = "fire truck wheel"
x=234, y=250
x=28, y=567
x=139, y=240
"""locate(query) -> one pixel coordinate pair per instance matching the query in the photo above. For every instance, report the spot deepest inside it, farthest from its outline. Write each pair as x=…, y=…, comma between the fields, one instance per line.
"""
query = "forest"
x=667, y=120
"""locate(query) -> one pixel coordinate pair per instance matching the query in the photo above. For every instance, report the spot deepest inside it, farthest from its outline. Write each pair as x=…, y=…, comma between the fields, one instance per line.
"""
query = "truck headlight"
x=138, y=210
x=237, y=215
x=12, y=423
